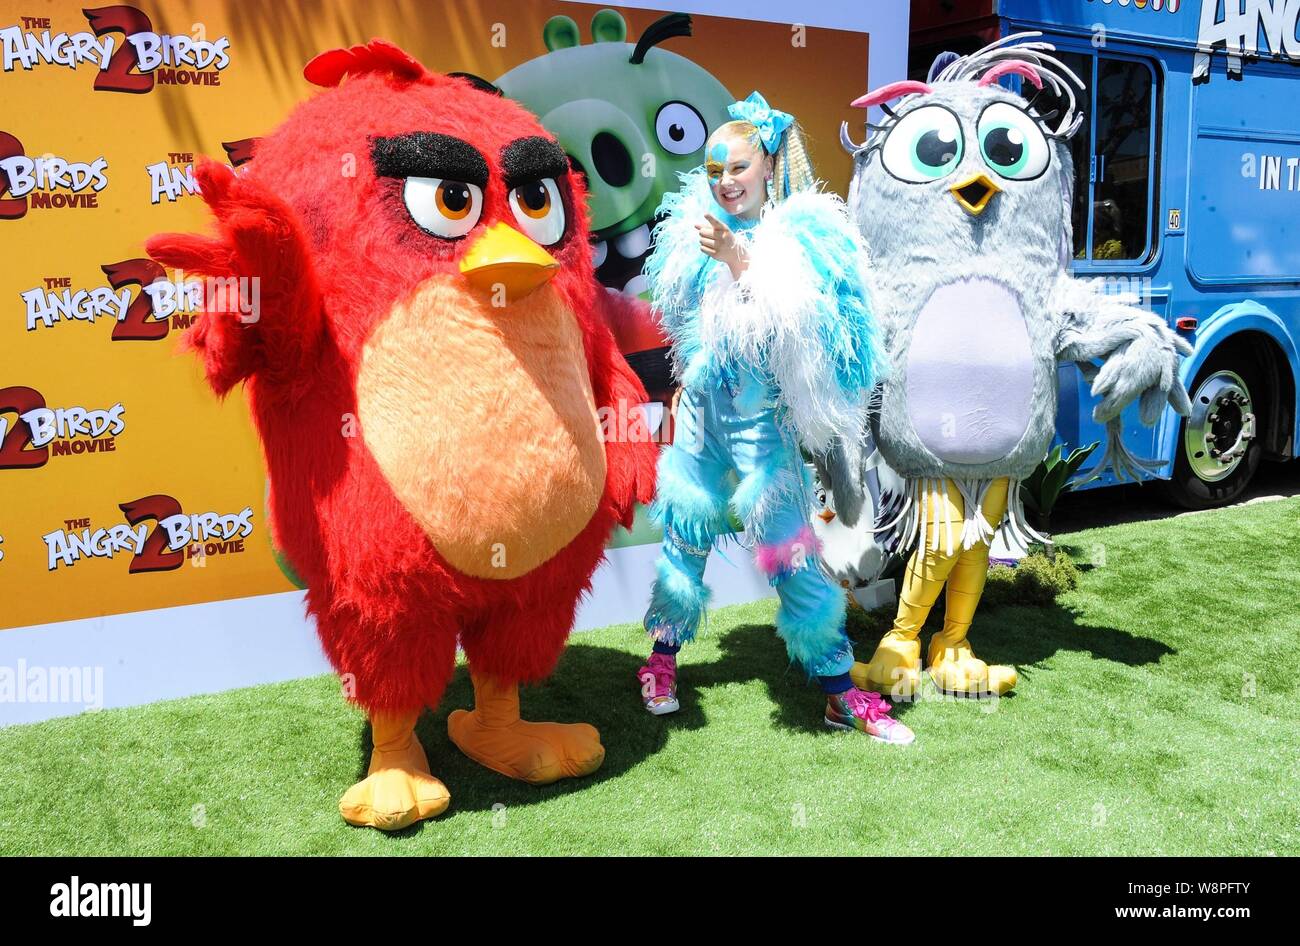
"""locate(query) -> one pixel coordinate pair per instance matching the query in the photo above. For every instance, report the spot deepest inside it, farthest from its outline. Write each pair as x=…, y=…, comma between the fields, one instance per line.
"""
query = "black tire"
x=1213, y=387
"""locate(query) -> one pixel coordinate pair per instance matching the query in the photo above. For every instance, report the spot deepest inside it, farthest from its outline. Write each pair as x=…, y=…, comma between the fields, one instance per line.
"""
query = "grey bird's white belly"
x=970, y=372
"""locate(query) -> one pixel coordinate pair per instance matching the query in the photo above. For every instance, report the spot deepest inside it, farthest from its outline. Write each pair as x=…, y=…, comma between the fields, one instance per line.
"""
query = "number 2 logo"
x=138, y=324
x=155, y=556
x=14, y=441
x=118, y=77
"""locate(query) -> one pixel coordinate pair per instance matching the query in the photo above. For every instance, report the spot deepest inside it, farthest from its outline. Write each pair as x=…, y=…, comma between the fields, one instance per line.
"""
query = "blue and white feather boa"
x=799, y=316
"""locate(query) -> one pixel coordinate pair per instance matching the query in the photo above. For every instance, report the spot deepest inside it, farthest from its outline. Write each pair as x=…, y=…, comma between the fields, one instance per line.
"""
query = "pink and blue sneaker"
x=658, y=680
x=867, y=712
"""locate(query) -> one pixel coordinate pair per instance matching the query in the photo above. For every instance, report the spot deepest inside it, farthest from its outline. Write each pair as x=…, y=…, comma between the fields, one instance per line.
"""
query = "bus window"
x=1121, y=217
x=1046, y=102
x=1113, y=183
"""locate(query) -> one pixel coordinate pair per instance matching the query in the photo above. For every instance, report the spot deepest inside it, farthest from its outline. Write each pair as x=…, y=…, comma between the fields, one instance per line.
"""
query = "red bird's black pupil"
x=455, y=196
x=533, y=195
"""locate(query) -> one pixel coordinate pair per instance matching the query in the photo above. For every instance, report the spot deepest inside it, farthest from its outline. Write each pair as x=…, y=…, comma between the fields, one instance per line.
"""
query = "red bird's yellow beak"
x=504, y=258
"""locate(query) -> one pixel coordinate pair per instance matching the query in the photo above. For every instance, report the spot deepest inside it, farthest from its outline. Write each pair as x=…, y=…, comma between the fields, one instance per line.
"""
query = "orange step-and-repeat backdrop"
x=124, y=484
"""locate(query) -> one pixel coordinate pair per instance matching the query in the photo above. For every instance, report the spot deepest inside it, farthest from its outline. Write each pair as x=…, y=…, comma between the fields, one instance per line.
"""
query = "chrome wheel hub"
x=1221, y=427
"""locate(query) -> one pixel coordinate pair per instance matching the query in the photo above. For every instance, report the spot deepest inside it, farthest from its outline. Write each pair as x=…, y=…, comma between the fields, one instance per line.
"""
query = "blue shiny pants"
x=720, y=434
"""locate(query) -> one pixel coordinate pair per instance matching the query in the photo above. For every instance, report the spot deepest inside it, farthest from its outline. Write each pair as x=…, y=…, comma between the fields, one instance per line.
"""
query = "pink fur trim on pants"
x=779, y=560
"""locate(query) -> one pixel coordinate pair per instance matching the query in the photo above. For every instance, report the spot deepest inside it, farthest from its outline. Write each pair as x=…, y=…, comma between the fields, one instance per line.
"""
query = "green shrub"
x=1037, y=580
x=863, y=625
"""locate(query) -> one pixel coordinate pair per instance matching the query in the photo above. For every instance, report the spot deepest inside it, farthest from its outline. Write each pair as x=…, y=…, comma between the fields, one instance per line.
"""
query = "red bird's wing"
x=631, y=453
x=262, y=306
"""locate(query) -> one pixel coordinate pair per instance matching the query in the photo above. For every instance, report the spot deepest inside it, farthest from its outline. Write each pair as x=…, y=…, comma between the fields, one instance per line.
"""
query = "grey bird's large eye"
x=1012, y=142
x=924, y=145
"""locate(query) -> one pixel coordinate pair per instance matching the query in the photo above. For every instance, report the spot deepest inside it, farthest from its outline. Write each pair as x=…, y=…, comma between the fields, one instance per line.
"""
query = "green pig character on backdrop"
x=631, y=116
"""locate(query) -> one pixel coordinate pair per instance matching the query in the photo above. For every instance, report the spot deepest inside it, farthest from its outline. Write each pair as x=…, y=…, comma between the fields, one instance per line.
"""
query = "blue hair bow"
x=770, y=122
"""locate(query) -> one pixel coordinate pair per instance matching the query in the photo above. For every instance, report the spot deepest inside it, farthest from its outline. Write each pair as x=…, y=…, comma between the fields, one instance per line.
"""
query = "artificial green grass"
x=1156, y=714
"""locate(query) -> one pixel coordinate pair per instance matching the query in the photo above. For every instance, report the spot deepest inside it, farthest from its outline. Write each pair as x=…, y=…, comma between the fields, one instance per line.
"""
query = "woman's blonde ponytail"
x=792, y=170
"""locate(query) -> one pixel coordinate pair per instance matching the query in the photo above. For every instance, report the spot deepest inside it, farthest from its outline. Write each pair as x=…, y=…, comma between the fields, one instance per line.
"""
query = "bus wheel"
x=1218, y=452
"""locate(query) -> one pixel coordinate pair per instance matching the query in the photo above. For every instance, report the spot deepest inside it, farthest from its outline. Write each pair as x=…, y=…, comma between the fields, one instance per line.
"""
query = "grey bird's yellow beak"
x=974, y=193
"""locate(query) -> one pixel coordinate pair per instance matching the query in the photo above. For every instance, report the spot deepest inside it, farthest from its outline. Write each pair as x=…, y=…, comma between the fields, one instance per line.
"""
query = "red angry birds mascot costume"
x=429, y=369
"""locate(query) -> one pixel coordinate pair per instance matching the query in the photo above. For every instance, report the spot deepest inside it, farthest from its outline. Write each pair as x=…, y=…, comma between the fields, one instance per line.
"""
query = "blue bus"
x=1187, y=193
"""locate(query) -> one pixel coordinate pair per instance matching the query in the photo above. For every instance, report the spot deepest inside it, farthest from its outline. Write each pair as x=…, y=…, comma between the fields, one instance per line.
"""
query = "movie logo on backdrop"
x=173, y=538
x=55, y=301
x=42, y=432
x=173, y=178
x=159, y=305
x=47, y=181
x=121, y=45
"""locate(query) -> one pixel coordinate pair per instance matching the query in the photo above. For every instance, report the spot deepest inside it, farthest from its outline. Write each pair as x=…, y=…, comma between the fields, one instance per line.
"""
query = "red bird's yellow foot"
x=493, y=735
x=398, y=790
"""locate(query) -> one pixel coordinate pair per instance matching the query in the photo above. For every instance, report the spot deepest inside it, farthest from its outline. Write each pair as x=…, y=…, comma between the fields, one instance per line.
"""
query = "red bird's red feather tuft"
x=329, y=68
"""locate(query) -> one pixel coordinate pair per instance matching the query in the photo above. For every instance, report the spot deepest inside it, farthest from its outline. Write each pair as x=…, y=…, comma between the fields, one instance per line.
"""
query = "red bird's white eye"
x=539, y=210
x=447, y=209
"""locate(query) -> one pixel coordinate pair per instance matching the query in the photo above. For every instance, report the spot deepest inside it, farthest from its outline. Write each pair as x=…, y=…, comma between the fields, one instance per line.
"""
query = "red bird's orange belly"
x=483, y=422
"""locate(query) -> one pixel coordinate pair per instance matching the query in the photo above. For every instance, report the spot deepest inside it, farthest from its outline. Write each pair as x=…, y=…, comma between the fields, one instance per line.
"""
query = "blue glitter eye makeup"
x=718, y=153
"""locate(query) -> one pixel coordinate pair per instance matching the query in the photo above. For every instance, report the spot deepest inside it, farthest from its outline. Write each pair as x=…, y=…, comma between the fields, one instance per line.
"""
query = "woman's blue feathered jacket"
x=798, y=319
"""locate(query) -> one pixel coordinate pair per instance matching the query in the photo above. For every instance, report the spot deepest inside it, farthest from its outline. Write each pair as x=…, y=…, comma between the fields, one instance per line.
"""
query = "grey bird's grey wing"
x=1138, y=351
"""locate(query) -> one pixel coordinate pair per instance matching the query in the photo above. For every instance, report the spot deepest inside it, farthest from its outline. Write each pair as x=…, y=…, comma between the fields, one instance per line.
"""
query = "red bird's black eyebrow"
x=531, y=159
x=429, y=154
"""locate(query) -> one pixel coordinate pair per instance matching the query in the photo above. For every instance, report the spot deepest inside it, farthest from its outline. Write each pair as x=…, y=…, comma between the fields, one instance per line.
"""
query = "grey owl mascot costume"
x=963, y=195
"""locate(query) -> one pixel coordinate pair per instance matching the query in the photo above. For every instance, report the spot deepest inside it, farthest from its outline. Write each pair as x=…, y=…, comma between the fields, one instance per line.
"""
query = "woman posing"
x=757, y=276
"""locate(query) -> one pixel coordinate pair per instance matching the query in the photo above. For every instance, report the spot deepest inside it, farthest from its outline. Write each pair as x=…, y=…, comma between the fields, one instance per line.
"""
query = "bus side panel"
x=1243, y=222
x=1243, y=213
